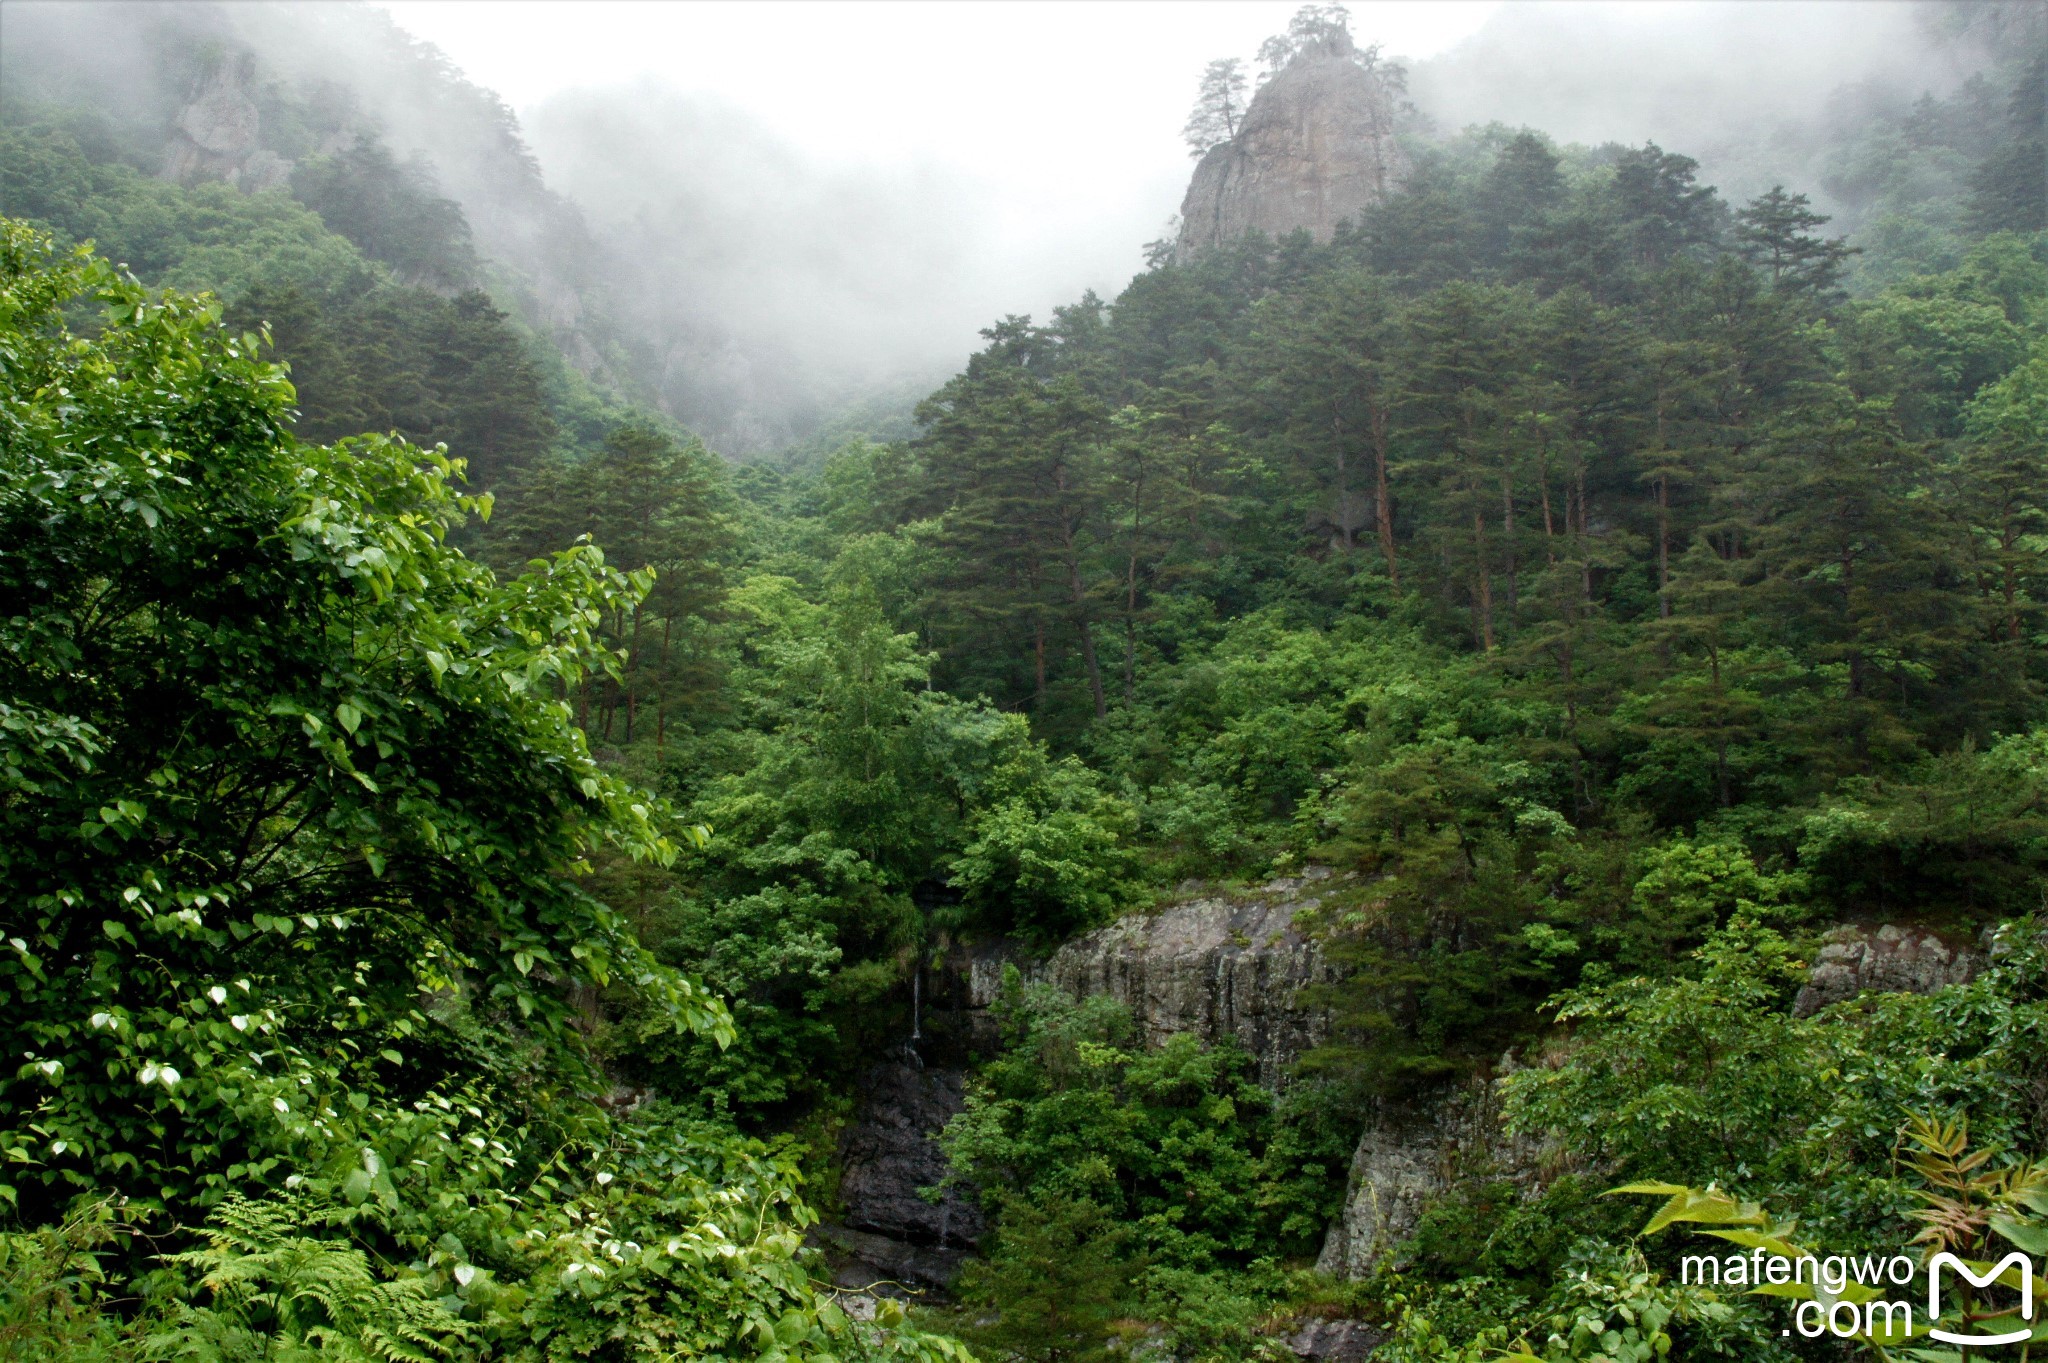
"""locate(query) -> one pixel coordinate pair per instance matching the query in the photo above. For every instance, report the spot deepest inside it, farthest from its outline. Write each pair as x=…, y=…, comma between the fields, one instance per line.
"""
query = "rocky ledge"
x=1216, y=966
x=1890, y=959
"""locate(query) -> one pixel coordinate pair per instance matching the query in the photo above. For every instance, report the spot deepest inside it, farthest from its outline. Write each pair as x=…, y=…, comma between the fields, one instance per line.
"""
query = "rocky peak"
x=217, y=135
x=1316, y=148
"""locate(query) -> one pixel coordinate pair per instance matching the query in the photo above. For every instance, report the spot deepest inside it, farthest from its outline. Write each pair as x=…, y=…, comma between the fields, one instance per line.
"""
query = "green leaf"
x=2029, y=1236
x=1708, y=1206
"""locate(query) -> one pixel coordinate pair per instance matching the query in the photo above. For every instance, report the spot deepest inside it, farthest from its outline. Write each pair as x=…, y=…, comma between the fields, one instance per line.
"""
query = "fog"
x=1742, y=87
x=782, y=209
x=820, y=200
x=855, y=192
x=798, y=279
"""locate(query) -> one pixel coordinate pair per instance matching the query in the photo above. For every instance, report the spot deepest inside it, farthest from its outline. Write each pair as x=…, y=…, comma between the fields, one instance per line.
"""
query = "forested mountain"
x=1308, y=770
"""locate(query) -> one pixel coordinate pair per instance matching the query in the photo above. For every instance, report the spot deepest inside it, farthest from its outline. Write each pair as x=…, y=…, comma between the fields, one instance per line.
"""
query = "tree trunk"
x=1507, y=532
x=1585, y=539
x=1131, y=592
x=1482, y=580
x=632, y=660
x=2006, y=539
x=1079, y=597
x=1383, y=497
x=1038, y=651
x=661, y=688
x=1343, y=485
x=1663, y=547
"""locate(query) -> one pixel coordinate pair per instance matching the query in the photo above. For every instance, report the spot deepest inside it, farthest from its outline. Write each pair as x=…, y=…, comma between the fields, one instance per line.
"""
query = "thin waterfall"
x=916, y=1012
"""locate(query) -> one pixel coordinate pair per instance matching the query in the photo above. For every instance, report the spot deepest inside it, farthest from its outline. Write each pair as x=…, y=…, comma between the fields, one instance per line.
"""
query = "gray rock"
x=1410, y=1156
x=982, y=967
x=1316, y=148
x=1216, y=967
x=891, y=1151
x=216, y=135
x=1891, y=960
x=879, y=1266
x=1336, y=1341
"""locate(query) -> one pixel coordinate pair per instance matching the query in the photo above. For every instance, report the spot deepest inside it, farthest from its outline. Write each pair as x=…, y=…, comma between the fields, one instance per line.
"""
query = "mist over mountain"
x=609, y=755
x=1755, y=92
x=674, y=247
x=762, y=289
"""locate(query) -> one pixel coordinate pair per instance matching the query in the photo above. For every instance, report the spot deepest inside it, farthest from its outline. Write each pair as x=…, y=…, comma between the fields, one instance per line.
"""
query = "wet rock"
x=981, y=968
x=880, y=1266
x=1892, y=959
x=891, y=1151
x=1218, y=966
x=1336, y=1341
x=1316, y=149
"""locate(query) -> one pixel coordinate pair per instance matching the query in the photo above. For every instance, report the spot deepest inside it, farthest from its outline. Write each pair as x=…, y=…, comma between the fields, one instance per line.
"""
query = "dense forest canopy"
x=470, y=851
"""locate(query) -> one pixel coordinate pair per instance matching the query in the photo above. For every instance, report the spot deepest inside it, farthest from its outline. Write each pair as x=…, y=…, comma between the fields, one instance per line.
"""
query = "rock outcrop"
x=1411, y=1156
x=1316, y=148
x=889, y=1154
x=1336, y=1341
x=878, y=1266
x=1406, y=1159
x=1890, y=960
x=217, y=136
x=1215, y=966
x=892, y=1239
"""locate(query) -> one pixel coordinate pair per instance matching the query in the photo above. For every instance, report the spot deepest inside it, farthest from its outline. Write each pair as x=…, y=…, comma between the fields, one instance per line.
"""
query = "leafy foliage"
x=1611, y=584
x=295, y=815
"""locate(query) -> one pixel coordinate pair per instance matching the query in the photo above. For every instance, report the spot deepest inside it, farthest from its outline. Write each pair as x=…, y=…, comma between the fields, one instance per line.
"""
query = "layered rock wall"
x=1218, y=966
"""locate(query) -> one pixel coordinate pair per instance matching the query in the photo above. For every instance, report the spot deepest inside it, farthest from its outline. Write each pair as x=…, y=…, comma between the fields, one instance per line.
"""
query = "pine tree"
x=1219, y=107
x=1851, y=569
x=1461, y=345
x=1658, y=211
x=650, y=503
x=1523, y=188
x=1012, y=454
x=1775, y=233
x=2001, y=492
x=2009, y=188
x=1057, y=1282
x=1321, y=364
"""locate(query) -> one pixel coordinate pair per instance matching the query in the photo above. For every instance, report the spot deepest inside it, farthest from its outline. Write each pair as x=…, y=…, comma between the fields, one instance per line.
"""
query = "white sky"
x=959, y=81
x=1065, y=115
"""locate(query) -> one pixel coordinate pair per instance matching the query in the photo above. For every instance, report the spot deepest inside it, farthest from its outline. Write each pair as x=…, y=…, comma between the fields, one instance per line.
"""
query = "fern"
x=280, y=1296
x=51, y=1291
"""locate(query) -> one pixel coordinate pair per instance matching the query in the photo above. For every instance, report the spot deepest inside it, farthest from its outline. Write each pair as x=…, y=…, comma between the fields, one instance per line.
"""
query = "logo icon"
x=2015, y=1260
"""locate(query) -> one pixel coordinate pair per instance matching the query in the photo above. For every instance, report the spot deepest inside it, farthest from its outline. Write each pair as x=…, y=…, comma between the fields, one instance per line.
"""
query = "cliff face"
x=1408, y=1157
x=218, y=135
x=1888, y=960
x=1216, y=967
x=1316, y=148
